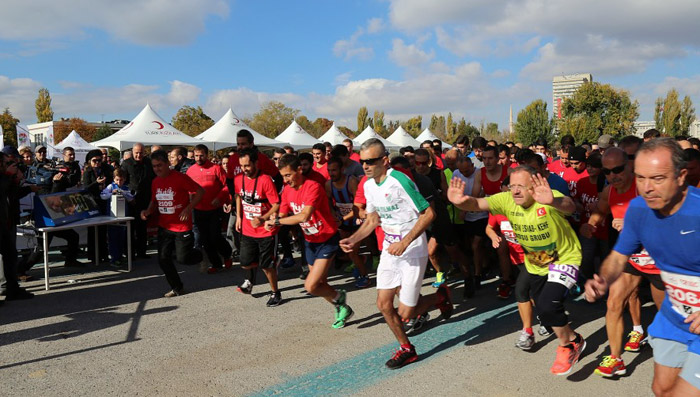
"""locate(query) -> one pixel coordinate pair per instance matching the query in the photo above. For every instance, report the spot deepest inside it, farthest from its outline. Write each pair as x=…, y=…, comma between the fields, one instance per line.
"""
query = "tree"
x=610, y=110
x=192, y=121
x=103, y=132
x=62, y=128
x=673, y=117
x=363, y=119
x=347, y=131
x=414, y=125
x=305, y=123
x=272, y=118
x=379, y=126
x=464, y=128
x=450, y=128
x=533, y=123
x=583, y=129
x=437, y=124
x=9, y=127
x=320, y=126
x=490, y=131
x=43, y=106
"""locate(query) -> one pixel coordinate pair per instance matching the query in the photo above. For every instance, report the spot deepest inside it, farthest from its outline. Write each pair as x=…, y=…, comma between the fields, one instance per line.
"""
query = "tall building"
x=564, y=87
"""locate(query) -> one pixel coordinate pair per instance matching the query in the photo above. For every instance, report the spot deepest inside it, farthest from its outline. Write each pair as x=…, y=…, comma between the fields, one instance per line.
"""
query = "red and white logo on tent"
x=160, y=125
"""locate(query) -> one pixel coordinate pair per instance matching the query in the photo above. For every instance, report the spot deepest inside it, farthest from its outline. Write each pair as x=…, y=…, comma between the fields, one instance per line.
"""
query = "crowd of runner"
x=607, y=219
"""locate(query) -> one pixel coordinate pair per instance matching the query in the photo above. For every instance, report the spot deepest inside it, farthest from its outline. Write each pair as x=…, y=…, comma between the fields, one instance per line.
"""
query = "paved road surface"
x=111, y=333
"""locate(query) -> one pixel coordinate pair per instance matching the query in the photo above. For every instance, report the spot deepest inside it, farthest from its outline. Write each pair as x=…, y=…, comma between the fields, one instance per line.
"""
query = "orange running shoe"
x=567, y=356
x=636, y=341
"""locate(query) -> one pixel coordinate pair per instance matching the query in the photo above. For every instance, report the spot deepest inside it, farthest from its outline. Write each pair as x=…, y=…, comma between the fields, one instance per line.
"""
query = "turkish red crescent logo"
x=236, y=121
x=160, y=125
x=127, y=127
x=541, y=212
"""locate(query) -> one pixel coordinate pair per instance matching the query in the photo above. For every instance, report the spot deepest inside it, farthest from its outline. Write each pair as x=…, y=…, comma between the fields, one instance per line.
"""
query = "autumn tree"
x=450, y=128
x=272, y=118
x=305, y=123
x=672, y=116
x=533, y=123
x=320, y=126
x=363, y=119
x=378, y=124
x=414, y=125
x=437, y=125
x=347, y=131
x=192, y=121
x=43, y=106
x=62, y=128
x=9, y=127
x=606, y=110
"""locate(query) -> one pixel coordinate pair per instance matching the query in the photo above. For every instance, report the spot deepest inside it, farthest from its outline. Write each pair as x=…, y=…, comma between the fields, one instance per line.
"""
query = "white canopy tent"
x=80, y=145
x=402, y=138
x=334, y=136
x=223, y=133
x=369, y=133
x=428, y=135
x=297, y=137
x=147, y=128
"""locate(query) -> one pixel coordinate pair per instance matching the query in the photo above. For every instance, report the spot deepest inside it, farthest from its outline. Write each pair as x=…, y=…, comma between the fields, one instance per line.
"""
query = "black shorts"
x=475, y=228
x=260, y=250
x=654, y=279
x=444, y=234
x=528, y=286
x=324, y=250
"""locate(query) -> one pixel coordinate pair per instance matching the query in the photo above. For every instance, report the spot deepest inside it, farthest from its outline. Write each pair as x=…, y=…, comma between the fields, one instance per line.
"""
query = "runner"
x=256, y=202
x=170, y=194
x=320, y=159
x=553, y=254
x=341, y=190
x=305, y=204
x=665, y=221
x=405, y=215
x=615, y=199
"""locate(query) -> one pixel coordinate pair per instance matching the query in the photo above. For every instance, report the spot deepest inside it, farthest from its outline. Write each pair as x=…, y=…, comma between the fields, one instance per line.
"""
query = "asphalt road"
x=102, y=332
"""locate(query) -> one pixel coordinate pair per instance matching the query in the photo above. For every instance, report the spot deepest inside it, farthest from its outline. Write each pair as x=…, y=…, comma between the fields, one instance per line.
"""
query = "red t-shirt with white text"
x=322, y=225
x=171, y=194
x=264, y=198
x=212, y=178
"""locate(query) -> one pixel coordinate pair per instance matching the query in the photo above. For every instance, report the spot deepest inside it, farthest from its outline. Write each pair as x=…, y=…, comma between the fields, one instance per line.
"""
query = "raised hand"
x=542, y=193
x=455, y=193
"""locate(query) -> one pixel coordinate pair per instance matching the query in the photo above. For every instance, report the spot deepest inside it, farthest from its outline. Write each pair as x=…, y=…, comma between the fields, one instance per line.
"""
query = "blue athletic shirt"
x=674, y=243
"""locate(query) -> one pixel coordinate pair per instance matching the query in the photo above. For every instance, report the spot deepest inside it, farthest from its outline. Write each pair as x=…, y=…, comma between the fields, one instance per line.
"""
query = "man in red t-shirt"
x=256, y=202
x=170, y=195
x=208, y=214
x=304, y=203
x=307, y=168
x=320, y=159
x=577, y=168
x=354, y=156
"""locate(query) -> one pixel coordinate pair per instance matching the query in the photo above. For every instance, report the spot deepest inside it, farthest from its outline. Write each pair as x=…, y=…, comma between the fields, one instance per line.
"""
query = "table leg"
x=46, y=260
x=97, y=247
x=128, y=244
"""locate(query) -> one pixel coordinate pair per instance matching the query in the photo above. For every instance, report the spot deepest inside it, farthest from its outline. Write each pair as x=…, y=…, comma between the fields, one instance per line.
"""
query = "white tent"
x=296, y=137
x=80, y=145
x=402, y=138
x=369, y=133
x=334, y=136
x=223, y=133
x=428, y=135
x=147, y=128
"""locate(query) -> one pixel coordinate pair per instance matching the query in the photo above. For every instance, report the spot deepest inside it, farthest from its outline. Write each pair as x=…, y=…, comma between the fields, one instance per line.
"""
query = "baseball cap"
x=577, y=153
x=40, y=148
x=604, y=141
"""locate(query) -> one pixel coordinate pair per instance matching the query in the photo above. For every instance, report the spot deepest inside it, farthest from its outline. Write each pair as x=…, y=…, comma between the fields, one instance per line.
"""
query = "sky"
x=103, y=59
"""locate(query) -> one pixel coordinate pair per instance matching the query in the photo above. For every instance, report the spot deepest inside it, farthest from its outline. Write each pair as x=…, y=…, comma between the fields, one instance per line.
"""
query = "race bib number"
x=392, y=234
x=565, y=275
x=683, y=292
x=252, y=210
x=643, y=259
x=344, y=208
x=309, y=228
x=507, y=230
x=166, y=207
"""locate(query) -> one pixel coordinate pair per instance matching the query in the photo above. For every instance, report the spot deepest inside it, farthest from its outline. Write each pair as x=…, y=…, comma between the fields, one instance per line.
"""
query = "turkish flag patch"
x=541, y=211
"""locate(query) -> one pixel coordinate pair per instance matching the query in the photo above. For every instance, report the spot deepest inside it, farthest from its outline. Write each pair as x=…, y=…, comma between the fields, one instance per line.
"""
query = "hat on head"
x=544, y=157
x=10, y=151
x=91, y=154
x=39, y=148
x=577, y=153
x=605, y=141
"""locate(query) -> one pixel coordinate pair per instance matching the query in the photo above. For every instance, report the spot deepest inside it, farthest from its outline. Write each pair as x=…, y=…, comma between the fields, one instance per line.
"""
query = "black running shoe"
x=416, y=324
x=402, y=357
x=469, y=288
x=275, y=299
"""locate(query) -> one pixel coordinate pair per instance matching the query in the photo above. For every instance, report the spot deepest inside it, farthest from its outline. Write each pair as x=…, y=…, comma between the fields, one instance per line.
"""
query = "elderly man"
x=139, y=178
x=553, y=253
x=665, y=220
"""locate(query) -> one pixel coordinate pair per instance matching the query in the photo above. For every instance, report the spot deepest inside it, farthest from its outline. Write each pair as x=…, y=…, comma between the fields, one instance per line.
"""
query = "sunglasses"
x=615, y=170
x=370, y=161
x=95, y=160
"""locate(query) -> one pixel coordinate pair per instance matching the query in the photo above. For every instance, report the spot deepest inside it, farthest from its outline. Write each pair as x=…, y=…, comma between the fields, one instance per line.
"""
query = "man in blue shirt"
x=665, y=219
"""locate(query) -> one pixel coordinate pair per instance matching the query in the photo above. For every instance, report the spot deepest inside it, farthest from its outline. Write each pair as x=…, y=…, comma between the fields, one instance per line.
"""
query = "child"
x=117, y=234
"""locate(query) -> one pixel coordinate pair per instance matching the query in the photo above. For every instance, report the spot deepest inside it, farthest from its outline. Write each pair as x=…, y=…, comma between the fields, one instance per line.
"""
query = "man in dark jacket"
x=139, y=178
x=96, y=176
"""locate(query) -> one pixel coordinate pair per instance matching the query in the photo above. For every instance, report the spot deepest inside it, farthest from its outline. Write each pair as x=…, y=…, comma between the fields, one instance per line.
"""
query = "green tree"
x=43, y=106
x=670, y=114
x=490, y=131
x=103, y=132
x=363, y=119
x=192, y=121
x=687, y=115
x=414, y=125
x=533, y=123
x=347, y=131
x=464, y=128
x=583, y=129
x=9, y=127
x=658, y=112
x=378, y=125
x=272, y=118
x=450, y=128
x=437, y=125
x=392, y=126
x=305, y=123
x=610, y=109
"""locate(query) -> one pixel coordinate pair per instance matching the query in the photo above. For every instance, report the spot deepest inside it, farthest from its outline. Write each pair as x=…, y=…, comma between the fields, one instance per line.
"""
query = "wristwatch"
x=277, y=222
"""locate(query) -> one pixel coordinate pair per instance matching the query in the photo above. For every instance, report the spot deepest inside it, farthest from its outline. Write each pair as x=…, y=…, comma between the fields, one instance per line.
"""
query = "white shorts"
x=407, y=273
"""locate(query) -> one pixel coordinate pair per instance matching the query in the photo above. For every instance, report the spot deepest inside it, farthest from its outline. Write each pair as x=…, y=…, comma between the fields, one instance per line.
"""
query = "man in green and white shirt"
x=393, y=201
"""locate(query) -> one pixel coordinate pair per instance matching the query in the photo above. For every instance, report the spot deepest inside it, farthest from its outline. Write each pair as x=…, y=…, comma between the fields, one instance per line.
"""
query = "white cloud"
x=146, y=22
x=375, y=25
x=182, y=93
x=409, y=55
x=352, y=48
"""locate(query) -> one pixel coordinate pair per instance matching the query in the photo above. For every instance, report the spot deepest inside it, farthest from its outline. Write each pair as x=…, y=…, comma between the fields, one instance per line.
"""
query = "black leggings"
x=548, y=296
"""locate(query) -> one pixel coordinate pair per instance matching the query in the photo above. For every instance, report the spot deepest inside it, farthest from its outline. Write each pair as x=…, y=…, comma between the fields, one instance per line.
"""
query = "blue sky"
x=106, y=59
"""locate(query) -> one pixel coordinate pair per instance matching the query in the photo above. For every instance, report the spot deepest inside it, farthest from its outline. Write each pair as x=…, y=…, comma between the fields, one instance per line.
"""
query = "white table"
x=96, y=221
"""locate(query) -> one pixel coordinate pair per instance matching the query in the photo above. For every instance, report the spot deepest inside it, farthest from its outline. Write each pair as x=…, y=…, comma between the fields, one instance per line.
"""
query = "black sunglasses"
x=370, y=161
x=615, y=170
